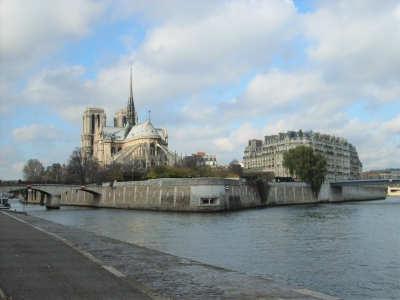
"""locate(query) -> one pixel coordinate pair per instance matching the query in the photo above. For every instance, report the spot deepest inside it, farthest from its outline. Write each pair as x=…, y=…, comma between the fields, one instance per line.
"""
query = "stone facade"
x=267, y=155
x=128, y=141
x=205, y=160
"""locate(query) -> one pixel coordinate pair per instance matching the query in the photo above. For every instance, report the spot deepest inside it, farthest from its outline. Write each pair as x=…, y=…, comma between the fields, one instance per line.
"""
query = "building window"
x=209, y=201
x=93, y=123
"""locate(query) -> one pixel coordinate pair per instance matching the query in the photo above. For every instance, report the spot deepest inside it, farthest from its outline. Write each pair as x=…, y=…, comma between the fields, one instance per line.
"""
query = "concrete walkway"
x=40, y=259
x=36, y=265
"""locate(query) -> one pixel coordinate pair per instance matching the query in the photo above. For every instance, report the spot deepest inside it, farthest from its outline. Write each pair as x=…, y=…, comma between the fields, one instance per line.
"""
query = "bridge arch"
x=51, y=194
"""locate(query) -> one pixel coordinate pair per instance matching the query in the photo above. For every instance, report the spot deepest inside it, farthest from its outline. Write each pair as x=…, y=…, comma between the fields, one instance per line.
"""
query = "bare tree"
x=235, y=167
x=190, y=162
x=54, y=173
x=133, y=170
x=82, y=168
x=114, y=171
x=33, y=170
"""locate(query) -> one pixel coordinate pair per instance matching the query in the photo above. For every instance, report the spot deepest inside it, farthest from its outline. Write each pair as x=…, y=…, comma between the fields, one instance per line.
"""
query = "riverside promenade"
x=40, y=259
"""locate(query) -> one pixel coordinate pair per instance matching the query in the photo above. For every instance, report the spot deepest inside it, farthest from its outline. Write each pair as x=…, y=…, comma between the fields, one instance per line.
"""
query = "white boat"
x=4, y=204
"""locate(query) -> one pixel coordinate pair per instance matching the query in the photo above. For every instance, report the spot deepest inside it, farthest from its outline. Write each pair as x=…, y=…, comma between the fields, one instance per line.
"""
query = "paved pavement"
x=53, y=261
x=36, y=265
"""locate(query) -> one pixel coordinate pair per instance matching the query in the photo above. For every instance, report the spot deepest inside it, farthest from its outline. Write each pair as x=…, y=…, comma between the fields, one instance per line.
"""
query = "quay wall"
x=289, y=193
x=394, y=190
x=180, y=195
x=206, y=195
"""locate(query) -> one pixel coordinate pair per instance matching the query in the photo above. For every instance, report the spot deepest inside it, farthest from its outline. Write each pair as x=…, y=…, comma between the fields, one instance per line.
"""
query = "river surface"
x=349, y=250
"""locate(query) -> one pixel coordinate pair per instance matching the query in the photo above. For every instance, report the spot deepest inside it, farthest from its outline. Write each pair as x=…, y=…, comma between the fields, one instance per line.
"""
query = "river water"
x=348, y=250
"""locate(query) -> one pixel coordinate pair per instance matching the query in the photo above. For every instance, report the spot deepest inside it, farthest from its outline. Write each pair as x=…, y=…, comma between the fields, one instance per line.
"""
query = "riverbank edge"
x=200, y=195
x=216, y=272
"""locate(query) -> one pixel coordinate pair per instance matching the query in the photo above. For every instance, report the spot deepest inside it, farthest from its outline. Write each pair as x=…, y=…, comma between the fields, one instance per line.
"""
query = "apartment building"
x=267, y=155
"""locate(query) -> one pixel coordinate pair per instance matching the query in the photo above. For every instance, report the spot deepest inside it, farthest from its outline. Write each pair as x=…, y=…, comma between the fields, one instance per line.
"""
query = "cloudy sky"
x=215, y=73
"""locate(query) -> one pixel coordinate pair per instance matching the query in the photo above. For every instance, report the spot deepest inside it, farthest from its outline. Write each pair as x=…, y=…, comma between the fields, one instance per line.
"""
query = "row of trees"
x=83, y=169
x=194, y=172
x=301, y=162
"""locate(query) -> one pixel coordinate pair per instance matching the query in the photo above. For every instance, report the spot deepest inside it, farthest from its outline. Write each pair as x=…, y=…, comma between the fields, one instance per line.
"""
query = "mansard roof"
x=145, y=129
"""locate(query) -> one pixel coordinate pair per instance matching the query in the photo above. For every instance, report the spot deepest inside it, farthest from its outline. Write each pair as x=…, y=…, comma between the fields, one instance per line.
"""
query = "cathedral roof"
x=116, y=132
x=145, y=129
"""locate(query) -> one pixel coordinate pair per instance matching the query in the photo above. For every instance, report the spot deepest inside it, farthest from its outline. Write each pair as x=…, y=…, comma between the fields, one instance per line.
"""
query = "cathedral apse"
x=128, y=141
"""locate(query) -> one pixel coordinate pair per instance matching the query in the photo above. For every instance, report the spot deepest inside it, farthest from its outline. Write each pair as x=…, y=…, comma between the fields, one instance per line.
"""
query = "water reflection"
x=348, y=250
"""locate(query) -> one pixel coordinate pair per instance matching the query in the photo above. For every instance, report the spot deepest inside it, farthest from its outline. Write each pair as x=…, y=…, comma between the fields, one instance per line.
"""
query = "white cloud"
x=37, y=133
x=357, y=40
x=216, y=73
x=35, y=28
x=161, y=11
x=276, y=89
x=11, y=162
x=182, y=58
x=385, y=93
x=392, y=126
x=234, y=32
x=33, y=31
x=235, y=142
x=15, y=170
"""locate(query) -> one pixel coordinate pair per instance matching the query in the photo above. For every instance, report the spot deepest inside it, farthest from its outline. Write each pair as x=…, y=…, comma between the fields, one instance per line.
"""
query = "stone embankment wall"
x=180, y=195
x=201, y=194
x=289, y=193
x=206, y=195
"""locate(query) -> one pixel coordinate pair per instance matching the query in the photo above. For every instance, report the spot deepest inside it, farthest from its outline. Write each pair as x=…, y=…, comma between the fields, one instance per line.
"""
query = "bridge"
x=337, y=187
x=53, y=191
x=366, y=182
x=393, y=190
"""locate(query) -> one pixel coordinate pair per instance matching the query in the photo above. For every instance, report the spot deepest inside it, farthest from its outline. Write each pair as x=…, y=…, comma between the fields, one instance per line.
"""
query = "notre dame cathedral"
x=128, y=141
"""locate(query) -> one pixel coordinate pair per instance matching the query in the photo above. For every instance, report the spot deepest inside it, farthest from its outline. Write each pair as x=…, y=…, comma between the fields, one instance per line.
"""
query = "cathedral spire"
x=130, y=108
x=130, y=102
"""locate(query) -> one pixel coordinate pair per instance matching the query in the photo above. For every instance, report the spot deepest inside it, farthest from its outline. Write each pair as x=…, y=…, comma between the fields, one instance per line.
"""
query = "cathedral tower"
x=94, y=119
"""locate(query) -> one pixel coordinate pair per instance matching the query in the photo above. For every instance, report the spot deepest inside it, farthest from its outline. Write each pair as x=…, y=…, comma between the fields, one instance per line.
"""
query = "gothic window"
x=124, y=121
x=152, y=149
x=115, y=122
x=143, y=165
x=153, y=163
x=98, y=121
x=93, y=123
x=112, y=150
